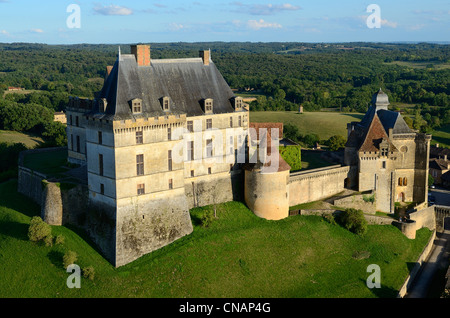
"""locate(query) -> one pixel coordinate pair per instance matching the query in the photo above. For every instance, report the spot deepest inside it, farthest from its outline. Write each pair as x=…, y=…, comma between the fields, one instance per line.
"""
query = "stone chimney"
x=206, y=56
x=108, y=71
x=142, y=54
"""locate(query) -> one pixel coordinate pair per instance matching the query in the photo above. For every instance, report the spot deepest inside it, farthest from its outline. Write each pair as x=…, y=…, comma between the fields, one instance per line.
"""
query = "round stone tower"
x=267, y=194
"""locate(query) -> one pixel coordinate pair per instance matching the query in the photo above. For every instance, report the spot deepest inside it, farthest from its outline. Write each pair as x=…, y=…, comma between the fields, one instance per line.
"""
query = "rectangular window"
x=190, y=126
x=141, y=189
x=240, y=121
x=137, y=107
x=170, y=183
x=384, y=164
x=102, y=188
x=139, y=137
x=77, y=121
x=71, y=142
x=140, y=165
x=100, y=138
x=100, y=164
x=71, y=120
x=209, y=148
x=190, y=151
x=209, y=170
x=192, y=173
x=209, y=124
x=169, y=133
x=231, y=122
x=169, y=155
x=166, y=104
x=78, y=144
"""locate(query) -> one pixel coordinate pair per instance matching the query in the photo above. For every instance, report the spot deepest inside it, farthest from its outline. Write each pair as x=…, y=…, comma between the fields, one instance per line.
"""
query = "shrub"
x=369, y=198
x=38, y=229
x=48, y=240
x=59, y=239
x=89, y=272
x=69, y=258
x=207, y=218
x=330, y=219
x=354, y=221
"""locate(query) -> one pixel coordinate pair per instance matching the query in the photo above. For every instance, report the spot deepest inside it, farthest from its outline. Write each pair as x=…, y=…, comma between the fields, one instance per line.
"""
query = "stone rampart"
x=312, y=185
x=359, y=202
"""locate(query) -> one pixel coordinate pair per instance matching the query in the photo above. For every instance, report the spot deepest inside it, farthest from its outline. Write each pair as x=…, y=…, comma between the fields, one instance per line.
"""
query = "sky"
x=139, y=21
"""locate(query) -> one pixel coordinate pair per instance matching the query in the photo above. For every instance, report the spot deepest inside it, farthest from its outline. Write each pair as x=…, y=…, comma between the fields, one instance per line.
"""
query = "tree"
x=38, y=229
x=291, y=132
x=336, y=142
x=354, y=221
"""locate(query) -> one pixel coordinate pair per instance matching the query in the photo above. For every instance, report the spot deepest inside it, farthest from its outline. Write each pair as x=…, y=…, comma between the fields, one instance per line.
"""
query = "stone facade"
x=390, y=158
x=149, y=160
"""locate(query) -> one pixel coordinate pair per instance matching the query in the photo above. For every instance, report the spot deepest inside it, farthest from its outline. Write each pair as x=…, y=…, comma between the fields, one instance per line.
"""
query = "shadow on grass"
x=11, y=199
x=56, y=257
x=383, y=292
x=15, y=230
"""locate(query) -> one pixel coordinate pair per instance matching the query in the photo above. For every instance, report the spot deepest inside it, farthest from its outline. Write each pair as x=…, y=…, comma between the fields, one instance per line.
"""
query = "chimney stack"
x=142, y=54
x=206, y=56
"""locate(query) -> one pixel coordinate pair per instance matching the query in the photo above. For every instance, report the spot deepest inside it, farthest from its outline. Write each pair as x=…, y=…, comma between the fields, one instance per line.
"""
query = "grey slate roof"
x=185, y=81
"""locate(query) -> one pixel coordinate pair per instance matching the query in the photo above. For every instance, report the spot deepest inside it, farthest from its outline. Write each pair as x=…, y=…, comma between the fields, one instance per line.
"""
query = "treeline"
x=32, y=118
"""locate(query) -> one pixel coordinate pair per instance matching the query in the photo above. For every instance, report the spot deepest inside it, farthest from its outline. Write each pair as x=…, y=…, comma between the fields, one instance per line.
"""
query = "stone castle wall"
x=317, y=184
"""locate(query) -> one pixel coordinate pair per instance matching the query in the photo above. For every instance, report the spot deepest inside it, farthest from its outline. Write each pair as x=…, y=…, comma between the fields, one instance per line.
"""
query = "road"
x=440, y=254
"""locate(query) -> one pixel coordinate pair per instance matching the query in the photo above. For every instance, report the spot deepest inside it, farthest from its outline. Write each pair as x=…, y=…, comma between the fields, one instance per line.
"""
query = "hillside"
x=239, y=255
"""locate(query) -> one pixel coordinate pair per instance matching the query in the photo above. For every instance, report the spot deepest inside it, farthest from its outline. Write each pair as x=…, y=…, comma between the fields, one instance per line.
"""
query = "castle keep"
x=149, y=114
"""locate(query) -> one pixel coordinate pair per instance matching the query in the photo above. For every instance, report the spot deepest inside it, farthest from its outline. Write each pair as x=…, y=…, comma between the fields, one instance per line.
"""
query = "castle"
x=164, y=136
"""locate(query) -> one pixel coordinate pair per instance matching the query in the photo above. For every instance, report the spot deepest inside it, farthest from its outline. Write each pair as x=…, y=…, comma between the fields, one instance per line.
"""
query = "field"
x=422, y=65
x=324, y=124
x=28, y=140
x=441, y=137
x=239, y=255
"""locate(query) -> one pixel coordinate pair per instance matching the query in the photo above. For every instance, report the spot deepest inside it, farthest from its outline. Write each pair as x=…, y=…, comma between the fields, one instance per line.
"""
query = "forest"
x=282, y=76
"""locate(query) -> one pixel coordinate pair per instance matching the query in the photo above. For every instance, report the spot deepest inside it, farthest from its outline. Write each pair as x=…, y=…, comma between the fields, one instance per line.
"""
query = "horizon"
x=256, y=21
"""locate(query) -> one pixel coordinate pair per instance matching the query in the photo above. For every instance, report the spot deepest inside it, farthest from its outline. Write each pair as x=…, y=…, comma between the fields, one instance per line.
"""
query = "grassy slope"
x=16, y=137
x=442, y=137
x=324, y=124
x=240, y=255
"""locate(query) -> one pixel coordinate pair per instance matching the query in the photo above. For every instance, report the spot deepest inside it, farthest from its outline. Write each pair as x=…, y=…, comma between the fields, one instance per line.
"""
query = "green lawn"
x=239, y=255
x=324, y=124
x=49, y=163
x=441, y=137
x=29, y=140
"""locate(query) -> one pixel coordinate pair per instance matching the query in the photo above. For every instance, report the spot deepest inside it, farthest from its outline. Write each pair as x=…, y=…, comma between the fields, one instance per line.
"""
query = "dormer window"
x=136, y=106
x=102, y=104
x=208, y=106
x=237, y=103
x=165, y=101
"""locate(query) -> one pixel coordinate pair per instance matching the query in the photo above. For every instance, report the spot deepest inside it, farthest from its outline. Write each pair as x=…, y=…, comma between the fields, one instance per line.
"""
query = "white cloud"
x=176, y=26
x=264, y=9
x=113, y=10
x=261, y=24
x=37, y=30
x=389, y=24
x=4, y=32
